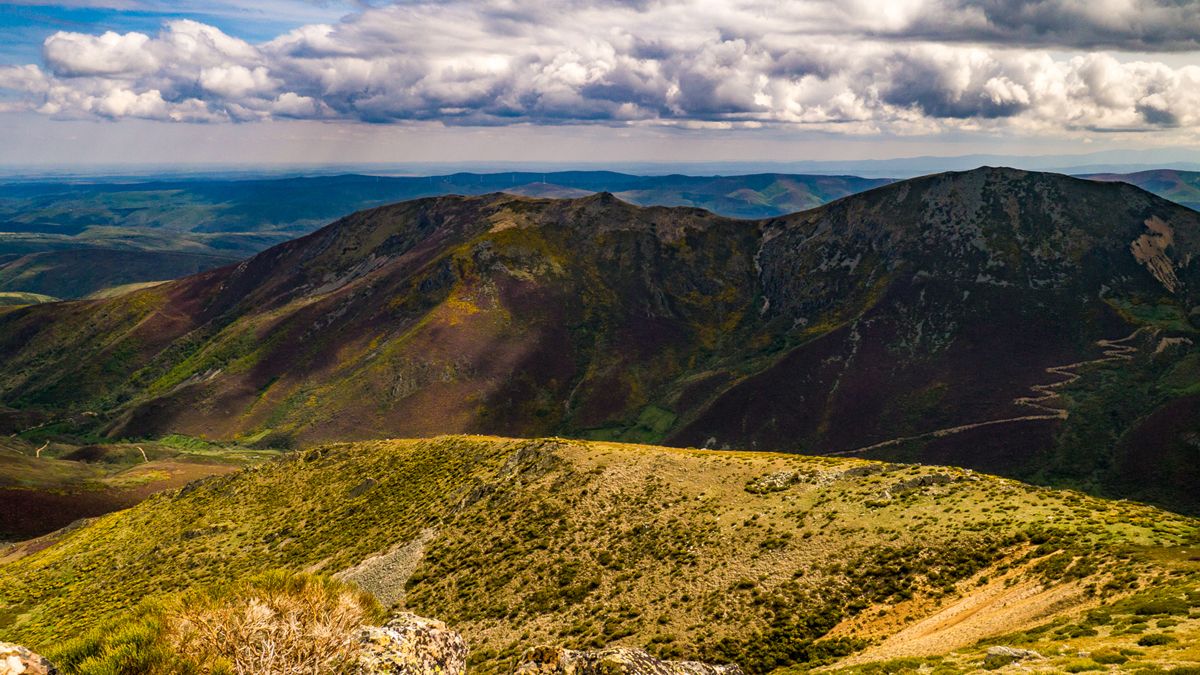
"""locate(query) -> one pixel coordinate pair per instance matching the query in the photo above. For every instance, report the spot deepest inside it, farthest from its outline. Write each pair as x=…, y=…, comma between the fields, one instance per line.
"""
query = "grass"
x=590, y=544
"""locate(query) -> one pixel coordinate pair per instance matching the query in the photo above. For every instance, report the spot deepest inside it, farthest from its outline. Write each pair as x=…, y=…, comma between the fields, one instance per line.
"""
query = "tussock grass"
x=279, y=622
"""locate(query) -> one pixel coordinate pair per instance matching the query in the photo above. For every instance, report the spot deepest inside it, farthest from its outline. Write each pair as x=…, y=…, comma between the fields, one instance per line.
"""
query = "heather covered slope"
x=955, y=318
x=765, y=559
x=449, y=314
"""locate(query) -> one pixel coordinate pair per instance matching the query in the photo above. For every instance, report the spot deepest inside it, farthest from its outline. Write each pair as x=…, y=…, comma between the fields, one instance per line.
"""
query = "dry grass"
x=293, y=625
x=278, y=623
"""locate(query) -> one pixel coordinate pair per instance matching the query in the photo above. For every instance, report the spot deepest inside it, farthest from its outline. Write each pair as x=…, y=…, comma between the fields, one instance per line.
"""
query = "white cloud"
x=75, y=54
x=910, y=66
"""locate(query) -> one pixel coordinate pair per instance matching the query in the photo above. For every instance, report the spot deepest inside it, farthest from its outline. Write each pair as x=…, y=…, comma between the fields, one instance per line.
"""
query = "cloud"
x=853, y=66
x=1137, y=25
x=76, y=54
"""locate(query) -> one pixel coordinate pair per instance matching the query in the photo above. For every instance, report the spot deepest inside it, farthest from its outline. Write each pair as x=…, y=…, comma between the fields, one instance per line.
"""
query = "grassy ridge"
x=16, y=299
x=765, y=559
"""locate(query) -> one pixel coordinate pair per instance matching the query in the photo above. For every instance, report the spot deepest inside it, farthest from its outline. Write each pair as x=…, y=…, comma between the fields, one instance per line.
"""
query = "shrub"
x=1109, y=656
x=1155, y=640
x=1162, y=606
x=997, y=661
x=278, y=622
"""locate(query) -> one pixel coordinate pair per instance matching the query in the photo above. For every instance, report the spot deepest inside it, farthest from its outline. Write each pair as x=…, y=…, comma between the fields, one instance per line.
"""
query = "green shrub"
x=1109, y=656
x=1156, y=639
x=1162, y=606
x=997, y=661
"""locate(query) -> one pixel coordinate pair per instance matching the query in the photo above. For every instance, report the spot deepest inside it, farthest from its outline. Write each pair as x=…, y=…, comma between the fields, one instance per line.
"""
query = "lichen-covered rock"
x=17, y=660
x=1014, y=653
x=411, y=645
x=1000, y=656
x=613, y=661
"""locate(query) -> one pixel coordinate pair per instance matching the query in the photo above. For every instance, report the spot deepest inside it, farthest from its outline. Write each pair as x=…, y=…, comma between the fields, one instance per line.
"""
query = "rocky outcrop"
x=1002, y=655
x=411, y=645
x=1150, y=250
x=614, y=661
x=17, y=660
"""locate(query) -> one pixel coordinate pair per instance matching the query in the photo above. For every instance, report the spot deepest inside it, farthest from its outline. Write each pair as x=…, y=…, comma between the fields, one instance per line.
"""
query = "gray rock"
x=17, y=660
x=411, y=645
x=612, y=661
x=1013, y=653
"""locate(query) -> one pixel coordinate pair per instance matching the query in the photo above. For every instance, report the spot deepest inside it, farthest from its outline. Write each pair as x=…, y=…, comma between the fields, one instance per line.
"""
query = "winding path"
x=1114, y=350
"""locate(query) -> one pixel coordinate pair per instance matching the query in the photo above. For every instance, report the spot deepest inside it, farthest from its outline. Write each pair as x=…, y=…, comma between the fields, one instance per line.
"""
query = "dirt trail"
x=1114, y=350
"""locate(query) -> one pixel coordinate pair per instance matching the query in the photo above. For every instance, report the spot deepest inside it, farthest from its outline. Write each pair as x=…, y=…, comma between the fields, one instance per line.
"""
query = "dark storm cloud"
x=1135, y=25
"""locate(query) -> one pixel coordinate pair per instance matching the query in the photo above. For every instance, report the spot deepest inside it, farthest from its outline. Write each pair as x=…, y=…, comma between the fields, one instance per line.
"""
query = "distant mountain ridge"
x=154, y=230
x=1181, y=187
x=199, y=223
x=899, y=313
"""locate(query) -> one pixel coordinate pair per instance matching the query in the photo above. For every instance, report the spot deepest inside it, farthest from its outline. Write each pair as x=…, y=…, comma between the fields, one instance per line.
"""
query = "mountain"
x=767, y=560
x=1182, y=187
x=140, y=230
x=1029, y=324
x=192, y=208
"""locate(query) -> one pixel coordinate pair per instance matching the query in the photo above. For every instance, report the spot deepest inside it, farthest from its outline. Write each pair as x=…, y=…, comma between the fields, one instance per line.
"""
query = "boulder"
x=612, y=661
x=1014, y=653
x=1000, y=656
x=17, y=660
x=411, y=645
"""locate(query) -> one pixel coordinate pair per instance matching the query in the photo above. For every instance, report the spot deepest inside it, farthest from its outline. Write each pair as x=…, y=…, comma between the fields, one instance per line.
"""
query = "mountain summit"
x=952, y=318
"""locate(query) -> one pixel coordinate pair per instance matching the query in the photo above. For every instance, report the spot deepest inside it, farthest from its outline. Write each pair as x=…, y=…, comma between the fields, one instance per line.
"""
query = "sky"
x=318, y=81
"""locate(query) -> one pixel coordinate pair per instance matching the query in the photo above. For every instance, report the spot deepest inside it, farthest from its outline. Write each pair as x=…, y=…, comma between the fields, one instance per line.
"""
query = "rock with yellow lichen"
x=17, y=660
x=411, y=645
x=613, y=661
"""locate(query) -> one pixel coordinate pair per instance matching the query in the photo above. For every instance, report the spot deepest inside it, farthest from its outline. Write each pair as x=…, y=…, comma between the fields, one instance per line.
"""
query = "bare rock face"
x=411, y=645
x=17, y=660
x=613, y=661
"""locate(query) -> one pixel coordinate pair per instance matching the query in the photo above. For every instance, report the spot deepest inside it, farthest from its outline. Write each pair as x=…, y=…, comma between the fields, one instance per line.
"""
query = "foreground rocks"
x=17, y=660
x=411, y=645
x=614, y=661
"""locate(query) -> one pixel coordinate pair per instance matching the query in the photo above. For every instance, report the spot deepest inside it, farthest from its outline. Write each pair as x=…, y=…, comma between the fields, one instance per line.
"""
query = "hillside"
x=984, y=319
x=14, y=299
x=50, y=485
x=764, y=559
x=76, y=273
x=1182, y=187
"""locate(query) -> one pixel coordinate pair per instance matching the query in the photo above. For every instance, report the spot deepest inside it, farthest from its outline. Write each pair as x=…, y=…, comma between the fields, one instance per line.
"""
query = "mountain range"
x=142, y=229
x=985, y=319
x=156, y=230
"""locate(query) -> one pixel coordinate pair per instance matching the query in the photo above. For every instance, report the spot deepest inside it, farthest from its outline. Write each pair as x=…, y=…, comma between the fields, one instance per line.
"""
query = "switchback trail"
x=1114, y=350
